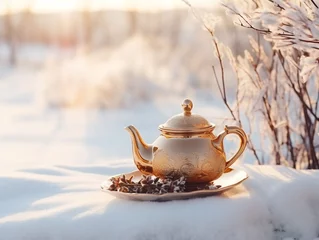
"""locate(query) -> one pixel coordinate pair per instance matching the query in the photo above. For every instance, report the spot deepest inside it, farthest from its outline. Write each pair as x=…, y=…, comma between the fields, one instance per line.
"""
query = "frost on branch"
x=277, y=79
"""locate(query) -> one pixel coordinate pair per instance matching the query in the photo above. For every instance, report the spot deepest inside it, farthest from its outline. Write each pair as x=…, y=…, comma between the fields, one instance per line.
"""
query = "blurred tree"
x=10, y=33
x=15, y=28
x=132, y=21
x=26, y=20
x=175, y=28
x=87, y=25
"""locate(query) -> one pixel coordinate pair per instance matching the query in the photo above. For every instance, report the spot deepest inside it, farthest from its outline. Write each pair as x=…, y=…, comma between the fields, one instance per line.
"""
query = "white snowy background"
x=62, y=118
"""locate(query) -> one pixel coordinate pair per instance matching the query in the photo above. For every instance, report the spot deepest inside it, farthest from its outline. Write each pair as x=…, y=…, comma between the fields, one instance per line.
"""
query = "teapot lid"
x=186, y=122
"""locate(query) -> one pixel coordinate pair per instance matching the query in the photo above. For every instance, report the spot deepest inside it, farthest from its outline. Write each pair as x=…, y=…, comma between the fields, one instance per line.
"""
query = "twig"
x=221, y=65
x=313, y=2
x=298, y=93
x=216, y=79
x=245, y=20
x=277, y=4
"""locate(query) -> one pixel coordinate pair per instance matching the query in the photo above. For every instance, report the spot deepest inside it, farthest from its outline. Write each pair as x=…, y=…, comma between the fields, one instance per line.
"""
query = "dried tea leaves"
x=154, y=185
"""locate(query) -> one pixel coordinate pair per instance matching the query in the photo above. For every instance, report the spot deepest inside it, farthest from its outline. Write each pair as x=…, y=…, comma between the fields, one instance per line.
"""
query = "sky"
x=43, y=6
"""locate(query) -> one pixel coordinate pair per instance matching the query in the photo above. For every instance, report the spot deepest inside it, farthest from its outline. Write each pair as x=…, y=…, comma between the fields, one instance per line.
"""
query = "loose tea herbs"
x=154, y=185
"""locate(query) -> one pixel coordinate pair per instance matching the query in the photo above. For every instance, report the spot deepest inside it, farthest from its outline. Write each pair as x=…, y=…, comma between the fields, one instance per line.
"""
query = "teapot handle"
x=218, y=142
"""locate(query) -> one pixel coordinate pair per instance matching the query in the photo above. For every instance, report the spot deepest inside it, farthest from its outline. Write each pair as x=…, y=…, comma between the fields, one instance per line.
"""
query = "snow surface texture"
x=53, y=161
x=65, y=203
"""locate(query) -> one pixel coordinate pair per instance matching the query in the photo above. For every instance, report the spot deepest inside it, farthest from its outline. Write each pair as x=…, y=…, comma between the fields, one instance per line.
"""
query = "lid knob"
x=187, y=106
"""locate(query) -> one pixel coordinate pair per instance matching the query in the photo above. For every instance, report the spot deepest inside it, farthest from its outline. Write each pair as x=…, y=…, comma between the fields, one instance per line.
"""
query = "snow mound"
x=64, y=202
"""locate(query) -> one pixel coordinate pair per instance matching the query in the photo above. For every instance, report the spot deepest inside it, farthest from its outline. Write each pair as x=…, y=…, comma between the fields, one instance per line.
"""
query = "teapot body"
x=186, y=147
x=194, y=157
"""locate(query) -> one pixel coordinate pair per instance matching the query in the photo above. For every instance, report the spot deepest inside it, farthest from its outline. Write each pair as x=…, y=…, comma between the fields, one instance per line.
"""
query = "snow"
x=65, y=202
x=53, y=161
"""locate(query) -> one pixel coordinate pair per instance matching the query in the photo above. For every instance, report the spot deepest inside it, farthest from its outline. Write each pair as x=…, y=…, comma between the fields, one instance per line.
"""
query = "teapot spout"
x=142, y=152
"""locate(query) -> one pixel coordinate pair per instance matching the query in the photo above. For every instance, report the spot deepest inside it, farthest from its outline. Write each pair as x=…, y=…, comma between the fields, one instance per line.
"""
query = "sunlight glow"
x=46, y=6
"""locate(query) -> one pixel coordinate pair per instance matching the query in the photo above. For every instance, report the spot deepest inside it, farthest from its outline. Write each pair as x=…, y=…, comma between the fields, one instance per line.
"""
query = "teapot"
x=186, y=147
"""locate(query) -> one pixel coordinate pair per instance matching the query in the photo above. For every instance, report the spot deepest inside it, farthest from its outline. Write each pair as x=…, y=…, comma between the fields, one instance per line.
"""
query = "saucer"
x=229, y=179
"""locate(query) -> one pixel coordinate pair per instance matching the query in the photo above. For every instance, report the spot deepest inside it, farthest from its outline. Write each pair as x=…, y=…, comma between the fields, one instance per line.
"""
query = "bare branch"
x=219, y=88
x=221, y=65
x=277, y=5
x=298, y=93
x=313, y=2
x=249, y=25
